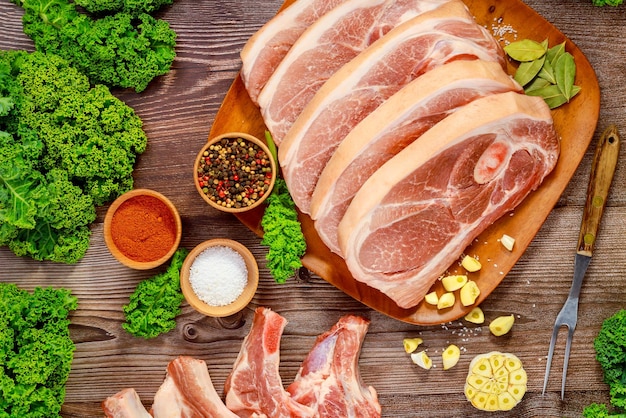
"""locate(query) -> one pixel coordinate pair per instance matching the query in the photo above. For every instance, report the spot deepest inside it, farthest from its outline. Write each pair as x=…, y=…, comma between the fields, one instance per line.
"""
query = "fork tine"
x=555, y=332
x=568, y=346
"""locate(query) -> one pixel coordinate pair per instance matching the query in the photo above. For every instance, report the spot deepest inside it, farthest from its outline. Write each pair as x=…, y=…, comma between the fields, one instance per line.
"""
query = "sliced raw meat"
x=333, y=40
x=188, y=392
x=124, y=404
x=417, y=213
x=329, y=381
x=254, y=387
x=266, y=48
x=391, y=127
x=434, y=38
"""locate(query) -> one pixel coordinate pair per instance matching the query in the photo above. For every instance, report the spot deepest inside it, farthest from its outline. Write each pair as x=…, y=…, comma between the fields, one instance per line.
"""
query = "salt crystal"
x=218, y=275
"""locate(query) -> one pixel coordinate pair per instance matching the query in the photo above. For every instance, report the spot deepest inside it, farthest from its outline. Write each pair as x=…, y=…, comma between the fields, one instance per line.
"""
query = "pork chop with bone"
x=254, y=387
x=329, y=380
x=419, y=211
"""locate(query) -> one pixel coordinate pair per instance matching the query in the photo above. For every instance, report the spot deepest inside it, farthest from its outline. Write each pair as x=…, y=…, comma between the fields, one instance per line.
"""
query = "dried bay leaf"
x=537, y=83
x=555, y=52
x=525, y=50
x=527, y=71
x=547, y=72
x=551, y=94
x=565, y=73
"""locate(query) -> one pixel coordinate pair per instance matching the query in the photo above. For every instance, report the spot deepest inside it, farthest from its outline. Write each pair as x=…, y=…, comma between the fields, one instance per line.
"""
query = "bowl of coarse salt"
x=219, y=277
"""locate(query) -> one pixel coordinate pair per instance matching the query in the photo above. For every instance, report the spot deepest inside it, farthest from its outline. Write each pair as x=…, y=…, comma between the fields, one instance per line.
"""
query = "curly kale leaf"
x=133, y=7
x=35, y=350
x=67, y=148
x=282, y=233
x=607, y=2
x=155, y=303
x=118, y=50
x=610, y=346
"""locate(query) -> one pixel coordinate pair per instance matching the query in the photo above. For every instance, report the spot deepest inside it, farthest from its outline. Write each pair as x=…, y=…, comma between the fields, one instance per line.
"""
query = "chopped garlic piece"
x=490, y=384
x=508, y=242
x=410, y=344
x=432, y=298
x=475, y=316
x=471, y=264
x=422, y=360
x=446, y=300
x=501, y=325
x=452, y=283
x=469, y=293
x=450, y=356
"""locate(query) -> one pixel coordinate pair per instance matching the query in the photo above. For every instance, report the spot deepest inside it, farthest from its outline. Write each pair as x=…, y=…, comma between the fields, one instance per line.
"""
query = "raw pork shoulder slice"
x=418, y=212
x=254, y=387
x=124, y=404
x=434, y=38
x=266, y=48
x=187, y=392
x=391, y=127
x=333, y=40
x=329, y=379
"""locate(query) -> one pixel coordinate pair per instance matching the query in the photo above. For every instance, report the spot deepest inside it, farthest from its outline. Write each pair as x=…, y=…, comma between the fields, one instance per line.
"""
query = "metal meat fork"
x=604, y=162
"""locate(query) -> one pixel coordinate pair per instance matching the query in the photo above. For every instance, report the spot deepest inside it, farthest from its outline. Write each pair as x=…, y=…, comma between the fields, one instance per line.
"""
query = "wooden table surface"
x=178, y=110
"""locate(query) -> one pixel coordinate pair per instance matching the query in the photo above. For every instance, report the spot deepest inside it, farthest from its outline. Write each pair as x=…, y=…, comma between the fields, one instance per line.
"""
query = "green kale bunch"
x=282, y=233
x=610, y=346
x=607, y=2
x=155, y=303
x=118, y=50
x=133, y=7
x=35, y=350
x=65, y=147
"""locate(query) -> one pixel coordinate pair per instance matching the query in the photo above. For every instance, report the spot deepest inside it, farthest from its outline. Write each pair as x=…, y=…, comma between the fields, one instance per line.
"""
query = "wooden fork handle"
x=602, y=170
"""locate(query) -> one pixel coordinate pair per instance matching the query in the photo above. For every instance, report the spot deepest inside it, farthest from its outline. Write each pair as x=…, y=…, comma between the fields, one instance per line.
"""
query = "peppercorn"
x=234, y=173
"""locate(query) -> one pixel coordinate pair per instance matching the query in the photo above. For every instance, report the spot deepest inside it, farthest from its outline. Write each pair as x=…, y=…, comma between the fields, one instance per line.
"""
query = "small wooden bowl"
x=248, y=138
x=243, y=299
x=118, y=253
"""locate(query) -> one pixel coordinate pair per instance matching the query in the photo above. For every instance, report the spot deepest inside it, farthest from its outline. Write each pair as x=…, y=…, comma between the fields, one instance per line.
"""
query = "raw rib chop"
x=434, y=38
x=266, y=48
x=187, y=392
x=329, y=380
x=333, y=40
x=391, y=127
x=418, y=212
x=254, y=387
x=124, y=404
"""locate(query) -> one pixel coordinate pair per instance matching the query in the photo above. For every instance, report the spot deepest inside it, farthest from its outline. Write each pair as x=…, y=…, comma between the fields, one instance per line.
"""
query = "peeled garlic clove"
x=501, y=325
x=491, y=386
x=450, y=356
x=410, y=344
x=471, y=264
x=475, y=316
x=452, y=283
x=432, y=298
x=422, y=360
x=469, y=293
x=507, y=241
x=446, y=300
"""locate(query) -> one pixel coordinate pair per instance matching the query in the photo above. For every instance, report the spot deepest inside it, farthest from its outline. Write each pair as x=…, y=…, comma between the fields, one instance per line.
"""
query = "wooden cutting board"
x=508, y=20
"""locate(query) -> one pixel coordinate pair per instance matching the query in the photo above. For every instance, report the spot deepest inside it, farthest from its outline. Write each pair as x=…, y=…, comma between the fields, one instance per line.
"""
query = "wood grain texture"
x=179, y=110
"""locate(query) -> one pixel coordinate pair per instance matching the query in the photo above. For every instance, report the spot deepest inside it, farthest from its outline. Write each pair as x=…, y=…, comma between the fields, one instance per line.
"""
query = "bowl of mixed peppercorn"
x=234, y=172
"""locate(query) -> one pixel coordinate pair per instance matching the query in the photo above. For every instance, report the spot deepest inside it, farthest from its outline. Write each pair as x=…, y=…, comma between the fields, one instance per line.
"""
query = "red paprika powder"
x=143, y=228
